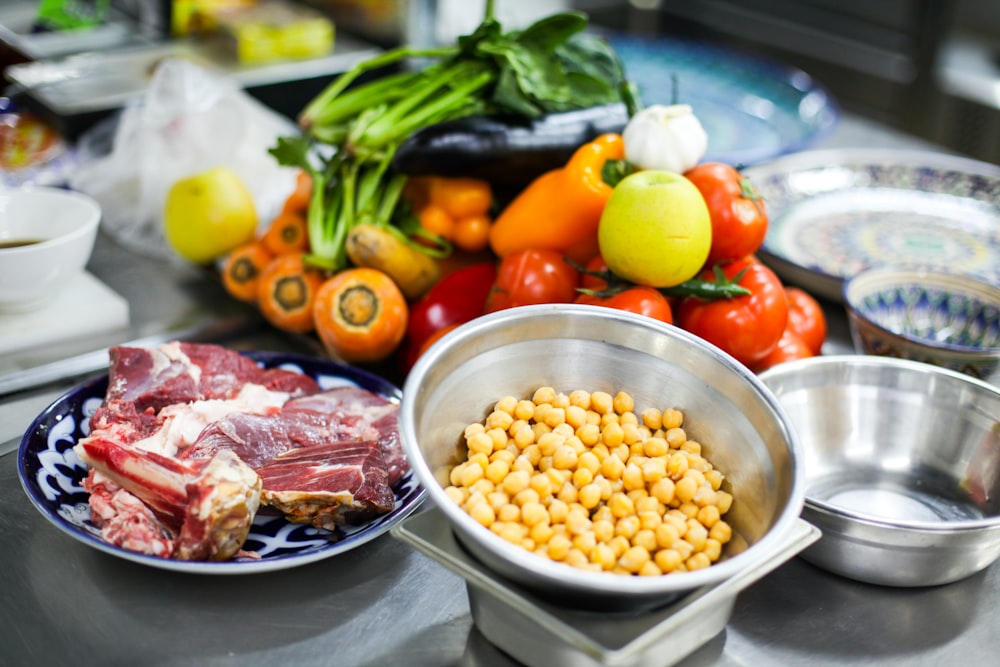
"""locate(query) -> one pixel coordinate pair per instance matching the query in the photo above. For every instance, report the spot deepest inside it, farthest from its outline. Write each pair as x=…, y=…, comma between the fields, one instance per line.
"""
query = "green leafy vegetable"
x=351, y=130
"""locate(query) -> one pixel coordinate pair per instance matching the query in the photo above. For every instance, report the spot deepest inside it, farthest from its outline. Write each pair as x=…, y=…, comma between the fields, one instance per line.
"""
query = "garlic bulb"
x=665, y=137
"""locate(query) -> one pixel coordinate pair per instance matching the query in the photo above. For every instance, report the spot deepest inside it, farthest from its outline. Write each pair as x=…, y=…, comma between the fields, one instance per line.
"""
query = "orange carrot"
x=286, y=293
x=242, y=268
x=298, y=200
x=287, y=234
x=360, y=315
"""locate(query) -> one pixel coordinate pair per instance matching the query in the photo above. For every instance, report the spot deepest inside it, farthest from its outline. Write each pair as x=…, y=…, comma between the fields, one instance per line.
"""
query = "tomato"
x=590, y=281
x=533, y=276
x=739, y=221
x=642, y=300
x=455, y=299
x=790, y=346
x=747, y=327
x=360, y=315
x=806, y=318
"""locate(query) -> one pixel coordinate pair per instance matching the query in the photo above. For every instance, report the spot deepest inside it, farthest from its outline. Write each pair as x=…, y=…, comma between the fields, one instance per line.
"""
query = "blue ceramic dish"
x=753, y=109
x=52, y=476
x=835, y=213
x=939, y=318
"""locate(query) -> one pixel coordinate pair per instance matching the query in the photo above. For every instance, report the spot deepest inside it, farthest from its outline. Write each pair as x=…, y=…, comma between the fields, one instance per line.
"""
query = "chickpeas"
x=588, y=479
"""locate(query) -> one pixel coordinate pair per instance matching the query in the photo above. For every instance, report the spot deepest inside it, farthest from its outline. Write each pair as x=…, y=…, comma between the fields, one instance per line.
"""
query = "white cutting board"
x=84, y=308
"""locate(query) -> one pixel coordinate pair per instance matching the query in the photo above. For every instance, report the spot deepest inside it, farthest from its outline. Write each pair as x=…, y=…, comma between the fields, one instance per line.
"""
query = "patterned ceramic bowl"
x=937, y=318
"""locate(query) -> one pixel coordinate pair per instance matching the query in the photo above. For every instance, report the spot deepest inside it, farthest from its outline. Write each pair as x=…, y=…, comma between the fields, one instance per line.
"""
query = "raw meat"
x=197, y=510
x=314, y=469
x=358, y=414
x=192, y=438
x=186, y=372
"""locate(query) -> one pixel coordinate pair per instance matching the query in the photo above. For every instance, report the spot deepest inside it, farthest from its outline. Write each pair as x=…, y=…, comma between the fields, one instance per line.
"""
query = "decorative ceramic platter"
x=752, y=109
x=835, y=213
x=51, y=475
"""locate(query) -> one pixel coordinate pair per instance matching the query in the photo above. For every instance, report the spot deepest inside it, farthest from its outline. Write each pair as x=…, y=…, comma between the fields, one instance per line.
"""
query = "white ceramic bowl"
x=60, y=226
x=515, y=351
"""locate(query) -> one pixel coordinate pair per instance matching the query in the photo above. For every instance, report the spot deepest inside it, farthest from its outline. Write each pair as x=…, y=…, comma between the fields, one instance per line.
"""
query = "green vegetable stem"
x=351, y=130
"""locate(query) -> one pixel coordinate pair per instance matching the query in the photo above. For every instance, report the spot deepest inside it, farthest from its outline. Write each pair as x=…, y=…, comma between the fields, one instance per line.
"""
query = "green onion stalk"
x=352, y=129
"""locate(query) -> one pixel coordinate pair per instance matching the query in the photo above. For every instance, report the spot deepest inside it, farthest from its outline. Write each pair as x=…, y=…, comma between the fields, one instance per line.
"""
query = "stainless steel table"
x=384, y=603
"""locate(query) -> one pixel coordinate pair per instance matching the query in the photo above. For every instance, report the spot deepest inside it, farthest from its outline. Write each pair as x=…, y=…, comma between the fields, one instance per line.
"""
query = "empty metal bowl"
x=902, y=466
x=513, y=352
x=938, y=318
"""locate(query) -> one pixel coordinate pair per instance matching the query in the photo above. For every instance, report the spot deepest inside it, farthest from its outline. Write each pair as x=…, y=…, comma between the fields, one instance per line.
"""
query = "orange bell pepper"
x=560, y=210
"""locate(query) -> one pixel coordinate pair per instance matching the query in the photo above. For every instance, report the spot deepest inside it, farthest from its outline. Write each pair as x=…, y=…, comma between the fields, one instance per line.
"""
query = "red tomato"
x=642, y=300
x=455, y=299
x=739, y=221
x=806, y=318
x=533, y=276
x=747, y=327
x=596, y=264
x=790, y=346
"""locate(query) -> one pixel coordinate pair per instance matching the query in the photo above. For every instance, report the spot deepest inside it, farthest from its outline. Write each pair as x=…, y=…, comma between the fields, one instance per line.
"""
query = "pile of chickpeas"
x=582, y=479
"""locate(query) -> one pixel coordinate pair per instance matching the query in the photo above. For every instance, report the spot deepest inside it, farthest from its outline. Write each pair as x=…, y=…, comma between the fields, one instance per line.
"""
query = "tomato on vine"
x=747, y=327
x=739, y=221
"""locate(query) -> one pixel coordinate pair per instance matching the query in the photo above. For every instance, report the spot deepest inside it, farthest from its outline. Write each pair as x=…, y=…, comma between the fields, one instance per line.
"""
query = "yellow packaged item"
x=271, y=31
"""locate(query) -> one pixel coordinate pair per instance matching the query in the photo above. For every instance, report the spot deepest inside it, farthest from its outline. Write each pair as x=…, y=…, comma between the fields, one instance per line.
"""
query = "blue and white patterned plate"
x=753, y=109
x=835, y=213
x=52, y=476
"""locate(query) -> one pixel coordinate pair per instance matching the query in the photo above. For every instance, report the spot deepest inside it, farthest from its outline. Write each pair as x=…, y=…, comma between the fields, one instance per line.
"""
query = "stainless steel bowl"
x=727, y=409
x=902, y=466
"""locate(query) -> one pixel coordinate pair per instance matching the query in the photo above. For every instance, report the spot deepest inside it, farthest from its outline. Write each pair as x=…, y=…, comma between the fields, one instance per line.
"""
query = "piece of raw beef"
x=181, y=372
x=191, y=438
x=199, y=509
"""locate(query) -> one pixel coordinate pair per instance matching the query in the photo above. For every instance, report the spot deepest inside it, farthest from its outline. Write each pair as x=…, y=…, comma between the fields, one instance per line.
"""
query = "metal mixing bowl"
x=512, y=352
x=902, y=466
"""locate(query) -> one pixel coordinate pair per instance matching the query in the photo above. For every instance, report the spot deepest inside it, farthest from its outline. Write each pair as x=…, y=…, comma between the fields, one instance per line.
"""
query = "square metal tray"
x=540, y=634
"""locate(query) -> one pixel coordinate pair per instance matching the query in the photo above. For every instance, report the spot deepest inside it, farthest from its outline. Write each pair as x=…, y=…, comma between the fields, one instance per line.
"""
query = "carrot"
x=242, y=268
x=298, y=200
x=286, y=293
x=287, y=234
x=360, y=315
x=377, y=247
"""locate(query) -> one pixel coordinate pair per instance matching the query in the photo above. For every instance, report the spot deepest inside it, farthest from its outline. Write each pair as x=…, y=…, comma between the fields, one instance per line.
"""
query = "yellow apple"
x=208, y=214
x=655, y=229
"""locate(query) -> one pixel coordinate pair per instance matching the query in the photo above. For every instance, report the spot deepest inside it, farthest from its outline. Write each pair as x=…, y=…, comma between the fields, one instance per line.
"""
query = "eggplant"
x=505, y=150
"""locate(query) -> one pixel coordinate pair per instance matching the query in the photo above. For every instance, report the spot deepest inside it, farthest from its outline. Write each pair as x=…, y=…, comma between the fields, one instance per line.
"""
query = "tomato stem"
x=706, y=290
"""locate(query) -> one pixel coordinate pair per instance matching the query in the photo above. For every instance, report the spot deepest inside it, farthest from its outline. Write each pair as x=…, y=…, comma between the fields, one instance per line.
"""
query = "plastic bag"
x=189, y=120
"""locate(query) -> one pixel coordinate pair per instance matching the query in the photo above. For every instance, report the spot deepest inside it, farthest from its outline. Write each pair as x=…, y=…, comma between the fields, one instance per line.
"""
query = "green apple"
x=208, y=214
x=655, y=229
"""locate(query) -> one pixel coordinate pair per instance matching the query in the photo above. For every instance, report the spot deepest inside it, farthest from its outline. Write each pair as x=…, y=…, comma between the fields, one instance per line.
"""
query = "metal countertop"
x=384, y=603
